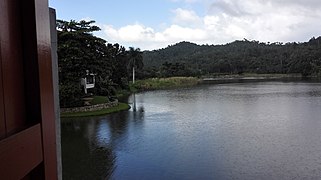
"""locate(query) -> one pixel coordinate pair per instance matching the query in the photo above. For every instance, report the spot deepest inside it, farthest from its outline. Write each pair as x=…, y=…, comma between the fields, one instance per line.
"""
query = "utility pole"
x=133, y=74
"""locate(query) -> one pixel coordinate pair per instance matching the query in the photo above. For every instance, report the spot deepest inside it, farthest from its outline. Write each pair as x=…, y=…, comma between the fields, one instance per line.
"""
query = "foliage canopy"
x=78, y=51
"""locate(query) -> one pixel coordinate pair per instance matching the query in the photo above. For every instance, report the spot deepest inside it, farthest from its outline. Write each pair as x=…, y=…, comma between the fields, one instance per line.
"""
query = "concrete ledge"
x=90, y=108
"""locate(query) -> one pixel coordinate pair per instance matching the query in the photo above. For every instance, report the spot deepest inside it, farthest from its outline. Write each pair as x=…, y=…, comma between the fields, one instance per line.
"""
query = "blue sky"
x=153, y=24
x=118, y=12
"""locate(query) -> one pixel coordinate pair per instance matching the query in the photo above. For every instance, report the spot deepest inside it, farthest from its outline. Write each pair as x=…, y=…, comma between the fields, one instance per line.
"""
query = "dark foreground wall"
x=27, y=117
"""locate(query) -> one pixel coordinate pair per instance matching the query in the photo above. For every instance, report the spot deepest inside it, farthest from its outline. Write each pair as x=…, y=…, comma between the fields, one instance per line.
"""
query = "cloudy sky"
x=153, y=24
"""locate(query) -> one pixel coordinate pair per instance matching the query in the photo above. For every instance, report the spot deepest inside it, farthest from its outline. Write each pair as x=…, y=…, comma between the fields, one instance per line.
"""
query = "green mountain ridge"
x=237, y=57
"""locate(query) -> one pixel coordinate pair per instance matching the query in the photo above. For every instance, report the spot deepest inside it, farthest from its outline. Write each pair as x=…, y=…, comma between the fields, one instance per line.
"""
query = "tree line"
x=243, y=56
x=79, y=52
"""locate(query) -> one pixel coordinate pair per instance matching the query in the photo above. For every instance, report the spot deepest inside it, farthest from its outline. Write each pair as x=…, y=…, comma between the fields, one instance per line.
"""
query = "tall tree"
x=135, y=60
x=119, y=60
x=79, y=50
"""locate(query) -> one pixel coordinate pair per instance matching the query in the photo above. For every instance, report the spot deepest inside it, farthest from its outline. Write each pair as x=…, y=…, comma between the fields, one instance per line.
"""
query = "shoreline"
x=182, y=82
x=118, y=108
x=236, y=79
x=163, y=83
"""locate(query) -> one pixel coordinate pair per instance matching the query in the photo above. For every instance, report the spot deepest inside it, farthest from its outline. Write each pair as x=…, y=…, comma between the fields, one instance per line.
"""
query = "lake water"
x=261, y=130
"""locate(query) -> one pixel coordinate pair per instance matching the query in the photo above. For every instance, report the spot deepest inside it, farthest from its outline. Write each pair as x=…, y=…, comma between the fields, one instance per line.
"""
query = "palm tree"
x=135, y=60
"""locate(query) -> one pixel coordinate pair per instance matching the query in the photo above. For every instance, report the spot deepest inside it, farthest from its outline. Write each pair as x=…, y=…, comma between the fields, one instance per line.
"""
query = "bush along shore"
x=163, y=83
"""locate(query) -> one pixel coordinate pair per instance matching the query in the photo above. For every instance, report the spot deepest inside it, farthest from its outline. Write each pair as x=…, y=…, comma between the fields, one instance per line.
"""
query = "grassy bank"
x=163, y=83
x=120, y=107
x=178, y=82
x=99, y=100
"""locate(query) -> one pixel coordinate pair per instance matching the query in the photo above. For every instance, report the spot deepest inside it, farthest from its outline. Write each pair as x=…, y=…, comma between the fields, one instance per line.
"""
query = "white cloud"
x=146, y=38
x=178, y=33
x=226, y=21
x=186, y=17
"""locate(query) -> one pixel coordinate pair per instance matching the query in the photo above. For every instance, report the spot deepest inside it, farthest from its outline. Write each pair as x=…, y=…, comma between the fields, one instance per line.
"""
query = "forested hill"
x=187, y=58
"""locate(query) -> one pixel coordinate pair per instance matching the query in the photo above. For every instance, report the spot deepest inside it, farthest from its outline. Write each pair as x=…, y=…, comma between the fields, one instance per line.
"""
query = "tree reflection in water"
x=89, y=145
x=82, y=155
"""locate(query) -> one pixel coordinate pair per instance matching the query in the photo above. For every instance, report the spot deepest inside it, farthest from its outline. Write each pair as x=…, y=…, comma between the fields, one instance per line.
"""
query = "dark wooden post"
x=46, y=88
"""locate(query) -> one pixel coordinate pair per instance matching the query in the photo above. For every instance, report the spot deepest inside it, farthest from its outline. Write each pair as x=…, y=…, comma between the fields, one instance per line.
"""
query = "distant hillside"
x=175, y=53
x=236, y=57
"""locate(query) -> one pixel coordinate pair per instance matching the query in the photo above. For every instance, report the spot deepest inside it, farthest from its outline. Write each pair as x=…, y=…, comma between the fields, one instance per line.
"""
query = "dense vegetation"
x=79, y=50
x=188, y=59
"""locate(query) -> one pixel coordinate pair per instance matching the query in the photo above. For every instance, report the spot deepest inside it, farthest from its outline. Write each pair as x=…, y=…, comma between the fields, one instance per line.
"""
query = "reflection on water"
x=267, y=130
x=89, y=144
x=85, y=157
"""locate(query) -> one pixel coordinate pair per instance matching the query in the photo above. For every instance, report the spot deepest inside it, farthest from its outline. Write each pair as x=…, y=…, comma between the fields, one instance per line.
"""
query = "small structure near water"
x=88, y=82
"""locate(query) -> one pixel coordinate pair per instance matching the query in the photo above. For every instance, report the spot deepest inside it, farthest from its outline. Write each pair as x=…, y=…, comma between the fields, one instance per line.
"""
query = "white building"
x=88, y=82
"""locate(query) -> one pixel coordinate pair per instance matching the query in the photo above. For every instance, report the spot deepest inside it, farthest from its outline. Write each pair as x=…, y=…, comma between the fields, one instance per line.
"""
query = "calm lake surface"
x=262, y=130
